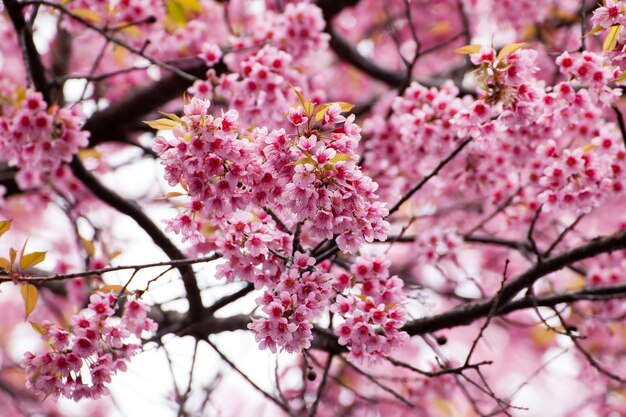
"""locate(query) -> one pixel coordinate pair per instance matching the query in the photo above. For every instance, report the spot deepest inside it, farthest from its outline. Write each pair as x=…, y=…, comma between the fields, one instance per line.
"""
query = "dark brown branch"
x=113, y=122
x=214, y=325
x=620, y=121
x=332, y=8
x=136, y=213
x=227, y=299
x=349, y=53
x=442, y=372
x=608, y=292
x=32, y=59
x=467, y=313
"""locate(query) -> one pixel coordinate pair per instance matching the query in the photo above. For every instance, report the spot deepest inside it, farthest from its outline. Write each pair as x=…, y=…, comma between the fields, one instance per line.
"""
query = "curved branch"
x=432, y=174
x=114, y=121
x=32, y=59
x=347, y=52
x=133, y=211
x=467, y=313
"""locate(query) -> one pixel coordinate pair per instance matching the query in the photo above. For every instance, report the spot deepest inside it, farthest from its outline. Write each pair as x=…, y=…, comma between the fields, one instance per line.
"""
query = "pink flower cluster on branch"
x=38, y=138
x=82, y=359
x=374, y=317
x=302, y=294
x=309, y=176
x=266, y=198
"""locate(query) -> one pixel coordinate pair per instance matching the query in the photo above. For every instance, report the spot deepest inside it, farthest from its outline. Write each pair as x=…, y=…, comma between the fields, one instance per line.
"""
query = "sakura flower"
x=211, y=54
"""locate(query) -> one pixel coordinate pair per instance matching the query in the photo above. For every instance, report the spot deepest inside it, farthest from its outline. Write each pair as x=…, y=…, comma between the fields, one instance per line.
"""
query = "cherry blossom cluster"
x=591, y=69
x=608, y=21
x=436, y=244
x=310, y=177
x=323, y=185
x=266, y=62
x=420, y=127
x=212, y=161
x=503, y=77
x=242, y=185
x=261, y=83
x=37, y=138
x=525, y=135
x=83, y=358
x=299, y=30
x=254, y=249
x=300, y=297
x=576, y=179
x=373, y=317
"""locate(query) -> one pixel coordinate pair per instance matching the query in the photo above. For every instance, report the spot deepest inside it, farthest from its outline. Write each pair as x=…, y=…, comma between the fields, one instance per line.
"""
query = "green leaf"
x=309, y=108
x=5, y=264
x=303, y=161
x=12, y=255
x=594, y=30
x=319, y=115
x=5, y=225
x=172, y=116
x=32, y=259
x=345, y=107
x=190, y=5
x=131, y=30
x=89, y=246
x=341, y=157
x=37, y=327
x=509, y=49
x=111, y=288
x=610, y=42
x=30, y=295
x=308, y=155
x=621, y=77
x=300, y=96
x=176, y=13
x=468, y=49
x=90, y=153
x=161, y=124
x=88, y=15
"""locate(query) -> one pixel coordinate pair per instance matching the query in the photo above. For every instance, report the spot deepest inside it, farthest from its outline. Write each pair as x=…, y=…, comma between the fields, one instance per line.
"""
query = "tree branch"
x=41, y=279
x=136, y=213
x=467, y=313
x=433, y=173
x=32, y=59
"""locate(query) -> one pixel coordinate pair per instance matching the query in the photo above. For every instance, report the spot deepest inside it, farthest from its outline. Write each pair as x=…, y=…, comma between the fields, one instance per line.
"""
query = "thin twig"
x=322, y=386
x=59, y=277
x=433, y=173
x=489, y=316
x=266, y=394
x=111, y=39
